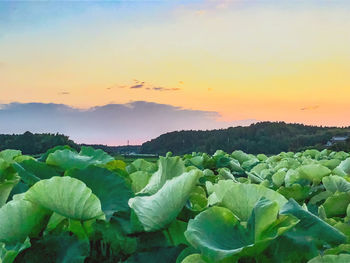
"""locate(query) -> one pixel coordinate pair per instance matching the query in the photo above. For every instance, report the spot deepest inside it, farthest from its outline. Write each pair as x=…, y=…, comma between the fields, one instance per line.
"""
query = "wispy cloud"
x=165, y=89
x=64, y=93
x=310, y=108
x=138, y=86
x=145, y=86
x=159, y=88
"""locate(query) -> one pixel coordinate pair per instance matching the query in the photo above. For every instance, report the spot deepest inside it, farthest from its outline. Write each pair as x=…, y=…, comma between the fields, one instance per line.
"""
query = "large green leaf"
x=336, y=183
x=248, y=165
x=68, y=159
x=9, y=155
x=342, y=258
x=286, y=163
x=218, y=190
x=265, y=222
x=36, y=169
x=292, y=177
x=5, y=189
x=175, y=233
x=196, y=161
x=311, y=226
x=296, y=191
x=219, y=235
x=240, y=156
x=111, y=189
x=241, y=198
x=194, y=258
x=263, y=215
x=224, y=160
x=141, y=165
x=18, y=219
x=313, y=153
x=340, y=155
x=66, y=196
x=225, y=173
x=43, y=157
x=139, y=180
x=278, y=177
x=185, y=253
x=168, y=168
x=331, y=164
x=97, y=155
x=32, y=171
x=343, y=168
x=26, y=177
x=158, y=210
x=320, y=197
x=337, y=204
x=343, y=248
x=259, y=168
x=279, y=251
x=314, y=172
x=197, y=201
x=3, y=169
x=6, y=171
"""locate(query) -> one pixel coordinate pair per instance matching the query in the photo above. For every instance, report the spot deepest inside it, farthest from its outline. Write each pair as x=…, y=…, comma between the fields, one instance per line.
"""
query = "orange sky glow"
x=241, y=59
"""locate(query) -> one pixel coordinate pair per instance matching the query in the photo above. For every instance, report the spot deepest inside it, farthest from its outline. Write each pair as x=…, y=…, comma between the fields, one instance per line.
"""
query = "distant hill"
x=262, y=137
x=34, y=143
x=37, y=143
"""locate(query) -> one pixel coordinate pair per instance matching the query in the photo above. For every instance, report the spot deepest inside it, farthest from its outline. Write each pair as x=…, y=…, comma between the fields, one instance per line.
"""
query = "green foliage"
x=66, y=196
x=61, y=248
x=70, y=206
x=67, y=159
x=168, y=168
x=241, y=198
x=110, y=188
x=219, y=235
x=19, y=219
x=158, y=210
x=331, y=259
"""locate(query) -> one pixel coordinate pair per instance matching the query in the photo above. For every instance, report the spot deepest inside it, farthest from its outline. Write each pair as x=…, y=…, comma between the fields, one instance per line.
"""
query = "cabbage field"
x=68, y=206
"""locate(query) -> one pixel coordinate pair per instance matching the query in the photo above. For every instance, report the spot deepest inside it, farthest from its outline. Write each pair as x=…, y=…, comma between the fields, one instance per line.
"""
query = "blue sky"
x=264, y=60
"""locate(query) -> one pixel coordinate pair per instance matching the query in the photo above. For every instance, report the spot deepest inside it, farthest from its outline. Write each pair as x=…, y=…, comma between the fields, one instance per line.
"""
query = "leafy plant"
x=67, y=206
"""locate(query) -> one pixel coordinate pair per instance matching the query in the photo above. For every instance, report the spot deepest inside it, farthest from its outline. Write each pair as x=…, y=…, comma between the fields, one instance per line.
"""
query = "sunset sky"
x=240, y=60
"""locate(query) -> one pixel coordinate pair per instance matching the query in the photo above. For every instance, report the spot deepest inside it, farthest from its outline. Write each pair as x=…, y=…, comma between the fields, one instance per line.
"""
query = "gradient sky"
x=263, y=60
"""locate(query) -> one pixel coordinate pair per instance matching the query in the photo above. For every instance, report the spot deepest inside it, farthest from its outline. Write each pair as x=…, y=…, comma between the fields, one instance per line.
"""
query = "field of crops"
x=88, y=207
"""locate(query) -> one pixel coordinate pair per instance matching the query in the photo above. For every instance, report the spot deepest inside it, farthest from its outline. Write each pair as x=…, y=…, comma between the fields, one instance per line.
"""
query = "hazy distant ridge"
x=262, y=137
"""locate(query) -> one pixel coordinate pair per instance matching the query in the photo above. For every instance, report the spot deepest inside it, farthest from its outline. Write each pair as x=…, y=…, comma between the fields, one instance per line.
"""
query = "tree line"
x=37, y=143
x=262, y=137
x=34, y=143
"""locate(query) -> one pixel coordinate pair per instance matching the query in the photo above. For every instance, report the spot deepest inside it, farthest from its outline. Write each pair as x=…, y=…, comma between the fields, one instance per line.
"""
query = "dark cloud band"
x=111, y=124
